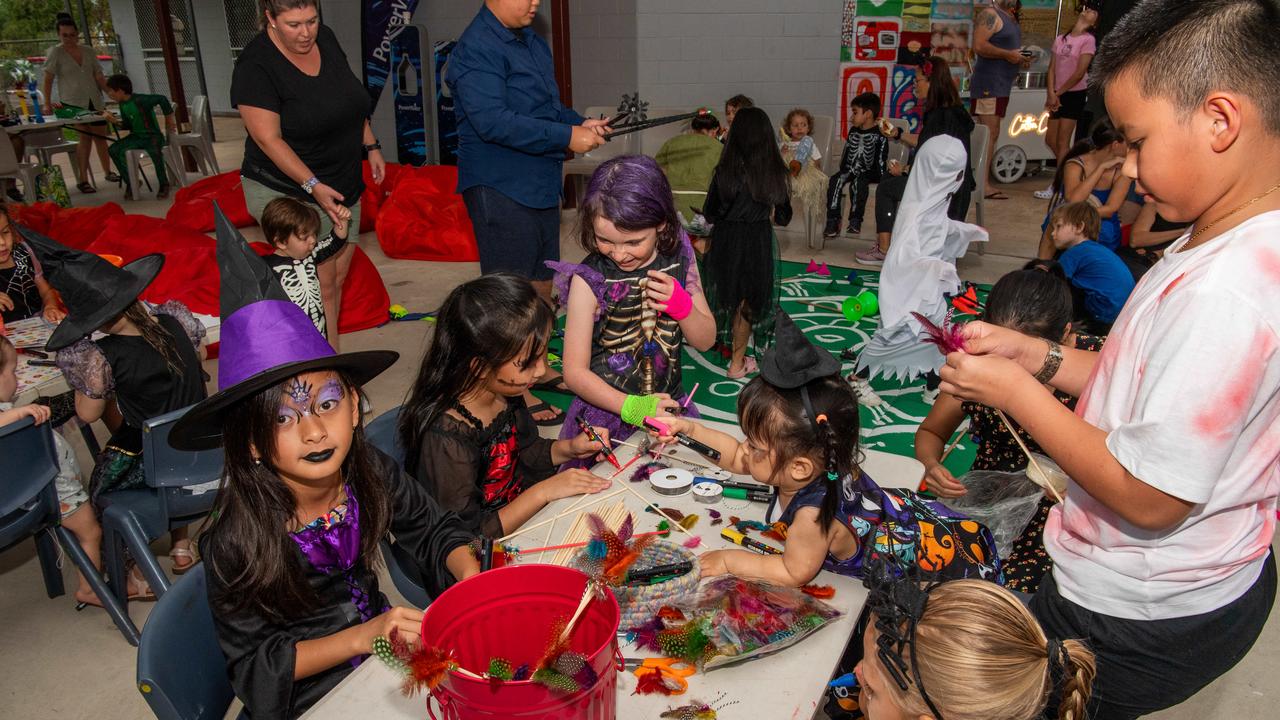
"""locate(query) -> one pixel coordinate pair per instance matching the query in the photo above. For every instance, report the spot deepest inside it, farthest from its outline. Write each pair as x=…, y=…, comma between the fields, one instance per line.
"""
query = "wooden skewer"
x=1048, y=485
x=535, y=526
x=575, y=545
x=674, y=525
x=960, y=433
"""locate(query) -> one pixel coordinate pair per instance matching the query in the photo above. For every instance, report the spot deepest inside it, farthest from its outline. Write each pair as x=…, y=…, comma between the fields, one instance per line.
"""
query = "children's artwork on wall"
x=877, y=40
x=855, y=79
x=913, y=47
x=902, y=101
x=951, y=41
x=952, y=9
x=915, y=15
x=880, y=8
x=846, y=30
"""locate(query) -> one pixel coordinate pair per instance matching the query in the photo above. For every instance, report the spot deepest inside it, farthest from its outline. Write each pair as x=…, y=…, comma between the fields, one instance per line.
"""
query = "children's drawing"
x=915, y=15
x=951, y=41
x=953, y=10
x=846, y=30
x=880, y=8
x=913, y=47
x=902, y=101
x=877, y=41
x=857, y=78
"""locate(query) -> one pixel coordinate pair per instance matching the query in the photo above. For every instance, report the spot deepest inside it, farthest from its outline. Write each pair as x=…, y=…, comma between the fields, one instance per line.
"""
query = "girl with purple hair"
x=632, y=303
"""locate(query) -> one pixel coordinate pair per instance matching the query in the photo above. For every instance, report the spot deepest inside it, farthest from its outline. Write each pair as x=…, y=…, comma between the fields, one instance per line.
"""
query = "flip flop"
x=749, y=366
x=179, y=552
x=996, y=195
x=86, y=188
x=543, y=407
x=555, y=385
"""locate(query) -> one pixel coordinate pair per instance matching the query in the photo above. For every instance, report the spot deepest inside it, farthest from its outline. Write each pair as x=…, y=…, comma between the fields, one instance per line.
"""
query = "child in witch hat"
x=148, y=363
x=801, y=426
x=294, y=537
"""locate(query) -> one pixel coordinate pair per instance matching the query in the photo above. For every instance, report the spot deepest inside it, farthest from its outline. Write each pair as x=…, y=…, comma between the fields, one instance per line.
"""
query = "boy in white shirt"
x=1161, y=550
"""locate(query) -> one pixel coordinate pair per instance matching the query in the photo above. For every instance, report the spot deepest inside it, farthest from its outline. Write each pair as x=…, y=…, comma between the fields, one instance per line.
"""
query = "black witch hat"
x=266, y=339
x=793, y=361
x=94, y=290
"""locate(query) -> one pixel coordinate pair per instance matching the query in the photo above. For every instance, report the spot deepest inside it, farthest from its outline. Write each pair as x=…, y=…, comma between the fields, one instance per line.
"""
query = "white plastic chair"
x=200, y=138
x=978, y=141
x=44, y=144
x=12, y=168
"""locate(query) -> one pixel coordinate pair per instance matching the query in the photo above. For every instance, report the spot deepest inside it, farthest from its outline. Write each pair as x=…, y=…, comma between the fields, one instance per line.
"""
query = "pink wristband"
x=680, y=304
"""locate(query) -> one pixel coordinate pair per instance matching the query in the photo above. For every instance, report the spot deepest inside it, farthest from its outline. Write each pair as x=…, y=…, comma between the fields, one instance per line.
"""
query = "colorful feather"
x=692, y=543
x=646, y=470
x=821, y=592
x=949, y=338
x=652, y=681
x=427, y=668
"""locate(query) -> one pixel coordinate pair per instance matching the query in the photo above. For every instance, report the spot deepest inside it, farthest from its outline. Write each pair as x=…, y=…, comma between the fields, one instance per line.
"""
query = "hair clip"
x=927, y=67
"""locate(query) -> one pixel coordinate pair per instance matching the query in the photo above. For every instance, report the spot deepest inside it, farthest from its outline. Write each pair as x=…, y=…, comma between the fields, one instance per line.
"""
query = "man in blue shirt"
x=512, y=134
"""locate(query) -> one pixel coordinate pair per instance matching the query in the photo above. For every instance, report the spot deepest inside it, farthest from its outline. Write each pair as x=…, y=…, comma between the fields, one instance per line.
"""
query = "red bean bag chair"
x=424, y=219
x=190, y=272
x=365, y=300
x=37, y=216
x=78, y=227
x=193, y=205
x=370, y=199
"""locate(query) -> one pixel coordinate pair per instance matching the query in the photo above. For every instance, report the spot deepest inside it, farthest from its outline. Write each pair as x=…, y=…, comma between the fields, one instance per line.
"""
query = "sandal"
x=555, y=385
x=546, y=407
x=181, y=552
x=111, y=177
x=995, y=195
x=749, y=367
x=86, y=188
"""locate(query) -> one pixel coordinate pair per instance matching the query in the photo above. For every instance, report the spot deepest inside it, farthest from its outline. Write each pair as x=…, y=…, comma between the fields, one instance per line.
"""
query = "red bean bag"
x=37, y=216
x=370, y=200
x=424, y=219
x=365, y=300
x=78, y=227
x=190, y=272
x=193, y=205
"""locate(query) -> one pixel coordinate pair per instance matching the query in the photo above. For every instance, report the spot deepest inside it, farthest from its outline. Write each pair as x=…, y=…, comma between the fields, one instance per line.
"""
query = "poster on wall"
x=916, y=14
x=952, y=10
x=876, y=40
x=855, y=79
x=902, y=101
x=846, y=29
x=409, y=96
x=950, y=40
x=880, y=8
x=381, y=21
x=913, y=47
x=446, y=120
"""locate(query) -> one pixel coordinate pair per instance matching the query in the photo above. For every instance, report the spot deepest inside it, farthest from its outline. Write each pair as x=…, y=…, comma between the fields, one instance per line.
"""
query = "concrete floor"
x=74, y=665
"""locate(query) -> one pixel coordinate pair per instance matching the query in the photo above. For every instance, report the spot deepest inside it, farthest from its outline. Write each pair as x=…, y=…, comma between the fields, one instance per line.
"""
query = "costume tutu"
x=739, y=269
x=919, y=269
x=809, y=187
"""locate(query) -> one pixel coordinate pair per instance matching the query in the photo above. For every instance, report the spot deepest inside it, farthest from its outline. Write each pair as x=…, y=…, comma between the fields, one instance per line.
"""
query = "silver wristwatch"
x=310, y=185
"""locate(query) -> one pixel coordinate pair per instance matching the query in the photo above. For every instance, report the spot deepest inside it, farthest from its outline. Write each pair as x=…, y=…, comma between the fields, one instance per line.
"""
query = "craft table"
x=48, y=124
x=789, y=684
x=37, y=380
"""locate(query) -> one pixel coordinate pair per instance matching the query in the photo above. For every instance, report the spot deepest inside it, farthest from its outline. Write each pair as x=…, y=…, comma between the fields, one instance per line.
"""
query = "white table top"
x=796, y=677
x=48, y=124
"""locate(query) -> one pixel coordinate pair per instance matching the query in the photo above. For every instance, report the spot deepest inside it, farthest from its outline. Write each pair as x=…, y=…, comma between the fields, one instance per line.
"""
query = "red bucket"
x=509, y=613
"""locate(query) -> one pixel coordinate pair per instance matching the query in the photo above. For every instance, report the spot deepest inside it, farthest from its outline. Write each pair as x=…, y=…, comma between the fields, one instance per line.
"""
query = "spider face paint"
x=314, y=426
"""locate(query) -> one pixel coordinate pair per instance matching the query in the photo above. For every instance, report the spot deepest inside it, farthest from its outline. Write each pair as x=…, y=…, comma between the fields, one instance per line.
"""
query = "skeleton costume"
x=19, y=283
x=634, y=348
x=301, y=283
x=920, y=269
x=864, y=160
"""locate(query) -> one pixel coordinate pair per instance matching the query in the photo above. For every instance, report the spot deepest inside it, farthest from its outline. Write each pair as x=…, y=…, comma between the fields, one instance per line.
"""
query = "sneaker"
x=929, y=396
x=866, y=396
x=871, y=256
x=832, y=230
x=1044, y=194
x=855, y=229
x=163, y=192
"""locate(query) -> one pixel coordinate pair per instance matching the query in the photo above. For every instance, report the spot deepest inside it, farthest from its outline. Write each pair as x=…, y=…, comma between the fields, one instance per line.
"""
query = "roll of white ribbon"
x=671, y=481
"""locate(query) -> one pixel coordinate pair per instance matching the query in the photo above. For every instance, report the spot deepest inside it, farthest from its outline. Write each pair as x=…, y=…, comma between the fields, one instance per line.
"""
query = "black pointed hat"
x=94, y=290
x=265, y=340
x=793, y=361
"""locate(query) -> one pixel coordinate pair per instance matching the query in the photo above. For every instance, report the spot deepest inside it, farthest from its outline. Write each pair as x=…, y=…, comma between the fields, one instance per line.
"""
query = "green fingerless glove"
x=638, y=407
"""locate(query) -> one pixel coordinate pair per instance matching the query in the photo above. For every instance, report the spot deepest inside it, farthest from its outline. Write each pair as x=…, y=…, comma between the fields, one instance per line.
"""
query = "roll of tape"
x=720, y=474
x=707, y=492
x=671, y=481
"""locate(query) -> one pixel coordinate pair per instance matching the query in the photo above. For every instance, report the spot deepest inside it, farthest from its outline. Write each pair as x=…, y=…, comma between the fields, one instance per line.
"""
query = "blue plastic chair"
x=29, y=508
x=133, y=519
x=182, y=673
x=382, y=433
x=385, y=436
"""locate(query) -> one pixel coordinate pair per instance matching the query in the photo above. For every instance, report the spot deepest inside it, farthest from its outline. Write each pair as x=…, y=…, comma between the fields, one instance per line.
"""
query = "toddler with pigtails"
x=801, y=425
x=632, y=303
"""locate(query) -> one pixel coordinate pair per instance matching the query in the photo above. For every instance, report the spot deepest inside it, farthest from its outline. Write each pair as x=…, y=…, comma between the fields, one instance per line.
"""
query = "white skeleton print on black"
x=301, y=283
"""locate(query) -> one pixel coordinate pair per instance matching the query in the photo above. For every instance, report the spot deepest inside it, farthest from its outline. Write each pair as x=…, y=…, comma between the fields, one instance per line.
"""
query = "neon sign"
x=1026, y=122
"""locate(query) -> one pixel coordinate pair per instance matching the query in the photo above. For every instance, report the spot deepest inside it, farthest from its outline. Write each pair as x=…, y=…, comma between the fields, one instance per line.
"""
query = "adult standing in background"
x=997, y=41
x=80, y=85
x=307, y=116
x=512, y=134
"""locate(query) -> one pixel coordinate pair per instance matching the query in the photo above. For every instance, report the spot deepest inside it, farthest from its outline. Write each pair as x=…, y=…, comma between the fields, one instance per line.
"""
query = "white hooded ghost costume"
x=919, y=269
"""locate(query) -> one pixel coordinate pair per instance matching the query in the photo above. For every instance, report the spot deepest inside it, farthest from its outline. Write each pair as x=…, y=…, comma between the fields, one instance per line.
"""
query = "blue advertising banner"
x=446, y=121
x=409, y=96
x=381, y=21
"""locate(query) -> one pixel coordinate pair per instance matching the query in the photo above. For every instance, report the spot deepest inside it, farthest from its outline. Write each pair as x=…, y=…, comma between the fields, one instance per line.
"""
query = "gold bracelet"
x=1052, y=361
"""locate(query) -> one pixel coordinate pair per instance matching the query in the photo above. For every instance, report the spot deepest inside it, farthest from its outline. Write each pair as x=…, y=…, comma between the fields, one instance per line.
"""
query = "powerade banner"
x=381, y=21
x=409, y=96
x=446, y=121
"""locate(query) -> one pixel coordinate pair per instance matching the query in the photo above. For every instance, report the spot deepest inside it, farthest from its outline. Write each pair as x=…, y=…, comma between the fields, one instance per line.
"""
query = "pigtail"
x=1079, y=668
x=831, y=499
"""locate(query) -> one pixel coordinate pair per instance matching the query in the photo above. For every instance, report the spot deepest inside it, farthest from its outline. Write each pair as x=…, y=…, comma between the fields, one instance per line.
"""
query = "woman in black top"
x=307, y=116
x=944, y=114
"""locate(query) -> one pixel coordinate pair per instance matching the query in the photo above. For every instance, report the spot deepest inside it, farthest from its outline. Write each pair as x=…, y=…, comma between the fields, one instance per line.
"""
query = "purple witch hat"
x=266, y=339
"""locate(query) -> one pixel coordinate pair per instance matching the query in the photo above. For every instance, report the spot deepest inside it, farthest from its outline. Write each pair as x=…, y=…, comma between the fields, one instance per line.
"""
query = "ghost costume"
x=919, y=269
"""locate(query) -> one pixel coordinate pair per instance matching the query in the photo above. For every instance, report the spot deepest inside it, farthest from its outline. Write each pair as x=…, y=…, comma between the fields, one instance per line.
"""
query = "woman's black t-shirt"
x=321, y=118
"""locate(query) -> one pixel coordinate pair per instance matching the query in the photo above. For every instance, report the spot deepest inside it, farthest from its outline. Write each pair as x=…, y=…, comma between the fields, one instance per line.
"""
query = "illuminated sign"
x=1026, y=122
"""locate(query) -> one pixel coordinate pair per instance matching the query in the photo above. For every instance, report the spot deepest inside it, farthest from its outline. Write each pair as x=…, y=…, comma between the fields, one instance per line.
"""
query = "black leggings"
x=889, y=197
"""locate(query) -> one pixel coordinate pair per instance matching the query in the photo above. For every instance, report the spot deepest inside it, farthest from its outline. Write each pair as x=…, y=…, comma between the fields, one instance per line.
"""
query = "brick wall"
x=602, y=36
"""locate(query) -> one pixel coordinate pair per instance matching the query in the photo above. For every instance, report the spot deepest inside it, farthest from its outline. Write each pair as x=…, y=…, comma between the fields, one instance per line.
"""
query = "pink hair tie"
x=680, y=304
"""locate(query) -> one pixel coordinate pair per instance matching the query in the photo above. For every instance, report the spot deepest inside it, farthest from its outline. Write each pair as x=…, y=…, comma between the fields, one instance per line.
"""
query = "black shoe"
x=855, y=228
x=111, y=177
x=14, y=195
x=832, y=230
x=163, y=192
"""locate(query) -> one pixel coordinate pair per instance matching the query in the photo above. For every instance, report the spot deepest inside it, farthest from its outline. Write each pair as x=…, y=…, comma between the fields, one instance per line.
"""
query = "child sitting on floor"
x=290, y=227
x=292, y=544
x=1097, y=274
x=864, y=160
x=467, y=435
x=77, y=514
x=138, y=116
x=632, y=303
x=801, y=426
x=1038, y=304
x=803, y=158
x=1162, y=549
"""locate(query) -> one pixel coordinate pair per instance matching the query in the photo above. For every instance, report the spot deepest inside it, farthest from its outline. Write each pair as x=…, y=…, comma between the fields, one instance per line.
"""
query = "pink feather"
x=693, y=542
x=624, y=532
x=949, y=338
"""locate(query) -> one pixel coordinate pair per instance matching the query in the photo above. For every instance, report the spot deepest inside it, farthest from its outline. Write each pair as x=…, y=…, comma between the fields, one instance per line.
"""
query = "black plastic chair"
x=382, y=433
x=182, y=673
x=133, y=519
x=29, y=508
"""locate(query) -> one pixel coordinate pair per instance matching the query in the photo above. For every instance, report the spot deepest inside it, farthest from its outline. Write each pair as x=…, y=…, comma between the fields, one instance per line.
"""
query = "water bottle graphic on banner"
x=409, y=97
